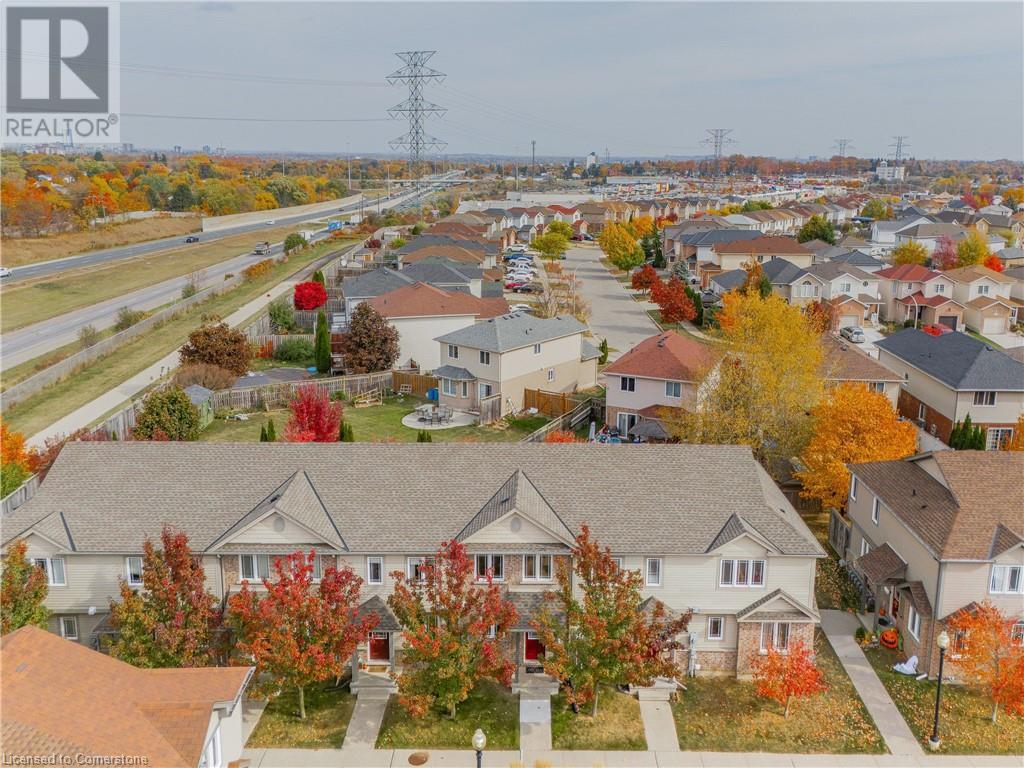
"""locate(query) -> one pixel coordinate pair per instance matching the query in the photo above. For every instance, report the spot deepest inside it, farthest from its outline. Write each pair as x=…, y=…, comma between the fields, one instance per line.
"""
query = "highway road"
x=44, y=268
x=34, y=340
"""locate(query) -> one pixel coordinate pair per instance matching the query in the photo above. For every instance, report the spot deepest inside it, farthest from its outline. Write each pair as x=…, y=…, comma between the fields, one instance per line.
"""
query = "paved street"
x=614, y=315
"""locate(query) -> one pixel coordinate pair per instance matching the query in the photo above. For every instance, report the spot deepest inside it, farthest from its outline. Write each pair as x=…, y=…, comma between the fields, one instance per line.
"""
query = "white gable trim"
x=272, y=511
x=474, y=538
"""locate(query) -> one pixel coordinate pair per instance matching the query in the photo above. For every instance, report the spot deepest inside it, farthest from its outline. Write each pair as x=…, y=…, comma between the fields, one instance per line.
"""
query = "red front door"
x=534, y=647
x=380, y=646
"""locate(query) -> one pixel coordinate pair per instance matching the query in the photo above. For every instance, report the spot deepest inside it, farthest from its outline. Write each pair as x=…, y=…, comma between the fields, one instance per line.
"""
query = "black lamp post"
x=942, y=641
x=479, y=742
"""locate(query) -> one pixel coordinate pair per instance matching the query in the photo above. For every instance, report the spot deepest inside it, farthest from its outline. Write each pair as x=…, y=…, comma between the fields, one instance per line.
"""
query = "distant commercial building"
x=591, y=159
x=886, y=172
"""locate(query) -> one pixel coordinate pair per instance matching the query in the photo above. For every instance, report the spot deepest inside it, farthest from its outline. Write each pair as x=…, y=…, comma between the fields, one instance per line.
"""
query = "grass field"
x=36, y=300
x=22, y=371
x=375, y=424
x=965, y=724
x=618, y=724
x=18, y=251
x=727, y=715
x=490, y=707
x=328, y=711
x=93, y=380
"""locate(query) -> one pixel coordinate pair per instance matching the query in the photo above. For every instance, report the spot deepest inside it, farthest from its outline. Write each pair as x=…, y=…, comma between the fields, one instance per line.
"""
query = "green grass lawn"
x=965, y=723
x=36, y=300
x=44, y=408
x=618, y=724
x=26, y=370
x=727, y=715
x=491, y=707
x=984, y=339
x=377, y=424
x=328, y=711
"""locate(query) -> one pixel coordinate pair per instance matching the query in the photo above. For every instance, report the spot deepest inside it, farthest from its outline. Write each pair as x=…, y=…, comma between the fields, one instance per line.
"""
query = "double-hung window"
x=716, y=627
x=618, y=562
x=448, y=387
x=774, y=634
x=1005, y=579
x=551, y=374
x=652, y=572
x=983, y=290
x=741, y=573
x=536, y=349
x=914, y=622
x=627, y=384
x=133, y=571
x=673, y=389
x=537, y=568
x=485, y=357
x=53, y=567
x=493, y=563
x=375, y=570
x=254, y=567
x=414, y=568
x=875, y=505
x=453, y=351
x=853, y=487
x=69, y=627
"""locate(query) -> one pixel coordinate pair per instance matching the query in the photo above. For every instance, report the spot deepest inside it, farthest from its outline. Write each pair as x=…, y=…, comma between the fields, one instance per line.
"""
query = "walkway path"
x=534, y=722
x=839, y=628
x=659, y=726
x=366, y=720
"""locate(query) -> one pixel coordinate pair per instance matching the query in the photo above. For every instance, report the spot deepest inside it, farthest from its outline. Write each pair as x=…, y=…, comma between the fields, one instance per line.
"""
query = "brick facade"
x=748, y=643
x=908, y=406
x=715, y=663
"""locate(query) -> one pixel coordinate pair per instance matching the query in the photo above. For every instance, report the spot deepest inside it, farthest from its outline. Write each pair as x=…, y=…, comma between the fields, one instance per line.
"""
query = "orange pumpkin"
x=889, y=638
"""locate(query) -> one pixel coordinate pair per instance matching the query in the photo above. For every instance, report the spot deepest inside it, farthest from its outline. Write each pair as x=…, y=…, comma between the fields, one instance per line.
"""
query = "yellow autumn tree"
x=761, y=392
x=620, y=246
x=909, y=252
x=973, y=249
x=642, y=225
x=852, y=426
x=1016, y=441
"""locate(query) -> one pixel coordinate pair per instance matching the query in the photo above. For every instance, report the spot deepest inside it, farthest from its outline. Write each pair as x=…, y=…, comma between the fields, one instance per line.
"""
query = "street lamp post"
x=917, y=309
x=943, y=642
x=479, y=742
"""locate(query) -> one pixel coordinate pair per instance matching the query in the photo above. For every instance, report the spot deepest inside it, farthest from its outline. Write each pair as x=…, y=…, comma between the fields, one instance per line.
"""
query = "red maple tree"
x=944, y=256
x=594, y=633
x=644, y=278
x=560, y=436
x=314, y=418
x=673, y=302
x=989, y=656
x=453, y=624
x=786, y=676
x=299, y=632
x=993, y=262
x=310, y=295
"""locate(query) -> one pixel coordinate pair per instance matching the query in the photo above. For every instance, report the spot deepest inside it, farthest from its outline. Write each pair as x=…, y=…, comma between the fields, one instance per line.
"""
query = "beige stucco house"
x=935, y=534
x=985, y=295
x=912, y=291
x=502, y=356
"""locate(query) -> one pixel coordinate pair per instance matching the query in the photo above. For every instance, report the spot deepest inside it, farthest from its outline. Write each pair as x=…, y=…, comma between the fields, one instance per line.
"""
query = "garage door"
x=845, y=321
x=948, y=320
x=993, y=325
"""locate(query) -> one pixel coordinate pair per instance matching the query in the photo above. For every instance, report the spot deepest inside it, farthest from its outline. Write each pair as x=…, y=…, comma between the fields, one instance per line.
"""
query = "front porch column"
x=355, y=667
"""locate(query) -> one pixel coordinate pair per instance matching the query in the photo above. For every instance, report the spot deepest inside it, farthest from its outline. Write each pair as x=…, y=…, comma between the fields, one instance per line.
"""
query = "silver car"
x=853, y=333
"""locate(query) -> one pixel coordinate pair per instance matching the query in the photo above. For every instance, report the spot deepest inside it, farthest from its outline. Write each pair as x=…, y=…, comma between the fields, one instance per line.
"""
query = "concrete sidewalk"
x=839, y=628
x=659, y=726
x=365, y=722
x=534, y=723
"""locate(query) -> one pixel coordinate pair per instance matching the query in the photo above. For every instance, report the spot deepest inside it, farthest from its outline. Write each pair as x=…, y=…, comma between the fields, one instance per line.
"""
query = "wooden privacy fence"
x=19, y=495
x=275, y=395
x=490, y=409
x=418, y=383
x=838, y=532
x=277, y=339
x=567, y=422
x=549, y=403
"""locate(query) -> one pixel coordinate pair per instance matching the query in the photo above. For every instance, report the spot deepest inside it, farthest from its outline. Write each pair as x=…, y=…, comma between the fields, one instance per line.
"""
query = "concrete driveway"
x=1006, y=340
x=614, y=314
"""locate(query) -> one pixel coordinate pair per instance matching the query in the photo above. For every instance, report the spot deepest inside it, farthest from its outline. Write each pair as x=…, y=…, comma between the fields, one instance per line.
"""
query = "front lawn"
x=618, y=724
x=491, y=707
x=328, y=711
x=965, y=724
x=726, y=715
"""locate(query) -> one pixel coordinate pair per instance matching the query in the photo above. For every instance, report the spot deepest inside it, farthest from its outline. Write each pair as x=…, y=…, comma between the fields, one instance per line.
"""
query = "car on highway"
x=853, y=333
x=5, y=272
x=192, y=239
x=268, y=223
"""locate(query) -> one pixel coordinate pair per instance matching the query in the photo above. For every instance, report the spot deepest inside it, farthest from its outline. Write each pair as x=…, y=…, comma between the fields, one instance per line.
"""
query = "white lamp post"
x=479, y=743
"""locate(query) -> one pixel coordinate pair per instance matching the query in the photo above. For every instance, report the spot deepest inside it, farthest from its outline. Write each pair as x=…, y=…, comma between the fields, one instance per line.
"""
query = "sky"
x=640, y=79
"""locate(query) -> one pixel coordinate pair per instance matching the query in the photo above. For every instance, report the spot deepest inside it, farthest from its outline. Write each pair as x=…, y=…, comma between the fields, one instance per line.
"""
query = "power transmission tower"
x=841, y=146
x=718, y=138
x=899, y=143
x=533, y=158
x=415, y=74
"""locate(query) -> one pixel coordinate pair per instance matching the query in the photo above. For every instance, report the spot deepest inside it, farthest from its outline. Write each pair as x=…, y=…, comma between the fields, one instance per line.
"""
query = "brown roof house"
x=844, y=363
x=63, y=700
x=421, y=312
x=934, y=534
x=985, y=295
x=735, y=253
x=659, y=374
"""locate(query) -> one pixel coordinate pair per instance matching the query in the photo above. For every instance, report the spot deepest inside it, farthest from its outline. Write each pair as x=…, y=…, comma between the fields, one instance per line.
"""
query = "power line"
x=415, y=74
x=899, y=143
x=224, y=118
x=841, y=146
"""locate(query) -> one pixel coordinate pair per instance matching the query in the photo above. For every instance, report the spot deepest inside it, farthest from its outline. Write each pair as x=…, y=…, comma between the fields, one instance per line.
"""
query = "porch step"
x=535, y=685
x=653, y=694
x=374, y=692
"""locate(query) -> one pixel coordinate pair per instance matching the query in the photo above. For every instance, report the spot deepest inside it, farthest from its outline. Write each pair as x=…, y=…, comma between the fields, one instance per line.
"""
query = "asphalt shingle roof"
x=957, y=360
x=519, y=329
x=651, y=499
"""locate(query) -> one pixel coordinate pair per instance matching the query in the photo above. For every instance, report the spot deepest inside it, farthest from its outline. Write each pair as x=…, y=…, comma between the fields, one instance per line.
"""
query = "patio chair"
x=448, y=413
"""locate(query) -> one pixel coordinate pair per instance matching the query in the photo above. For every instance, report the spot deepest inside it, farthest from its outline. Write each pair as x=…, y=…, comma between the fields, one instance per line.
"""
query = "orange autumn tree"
x=561, y=436
x=854, y=425
x=990, y=657
x=787, y=676
x=1016, y=441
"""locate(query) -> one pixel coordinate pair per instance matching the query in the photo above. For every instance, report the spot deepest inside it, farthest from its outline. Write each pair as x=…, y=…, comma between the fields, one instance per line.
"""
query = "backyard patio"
x=430, y=416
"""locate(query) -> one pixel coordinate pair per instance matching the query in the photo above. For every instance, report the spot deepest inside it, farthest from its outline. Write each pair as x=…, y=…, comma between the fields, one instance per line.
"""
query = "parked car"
x=588, y=238
x=192, y=239
x=5, y=272
x=520, y=308
x=516, y=248
x=512, y=283
x=578, y=238
x=527, y=288
x=936, y=329
x=853, y=333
